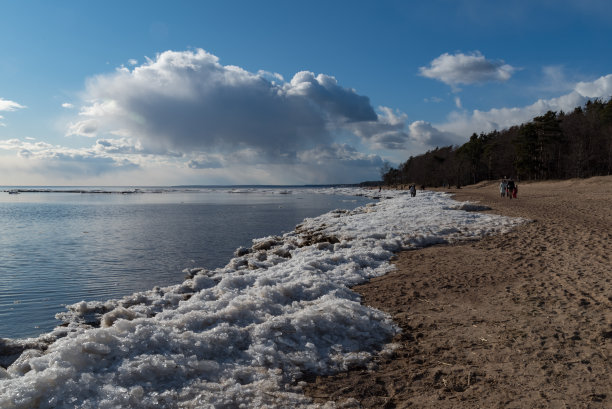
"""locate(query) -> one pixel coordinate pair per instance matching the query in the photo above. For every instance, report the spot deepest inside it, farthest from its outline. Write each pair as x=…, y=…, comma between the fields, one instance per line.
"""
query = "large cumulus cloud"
x=215, y=119
x=187, y=101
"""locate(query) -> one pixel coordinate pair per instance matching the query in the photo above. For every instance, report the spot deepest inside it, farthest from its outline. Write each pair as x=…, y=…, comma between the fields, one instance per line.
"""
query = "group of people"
x=508, y=188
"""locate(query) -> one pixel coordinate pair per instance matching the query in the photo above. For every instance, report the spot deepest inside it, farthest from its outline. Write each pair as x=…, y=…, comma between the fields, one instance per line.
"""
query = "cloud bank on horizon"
x=186, y=115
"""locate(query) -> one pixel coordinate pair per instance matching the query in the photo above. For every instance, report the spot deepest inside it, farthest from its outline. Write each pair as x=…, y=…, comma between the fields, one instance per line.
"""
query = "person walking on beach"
x=515, y=191
x=502, y=187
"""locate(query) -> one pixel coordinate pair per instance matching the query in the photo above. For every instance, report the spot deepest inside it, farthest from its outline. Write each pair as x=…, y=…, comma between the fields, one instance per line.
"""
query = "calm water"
x=61, y=248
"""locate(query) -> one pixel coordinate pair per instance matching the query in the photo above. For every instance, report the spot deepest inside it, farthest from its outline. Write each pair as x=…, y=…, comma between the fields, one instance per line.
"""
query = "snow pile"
x=243, y=334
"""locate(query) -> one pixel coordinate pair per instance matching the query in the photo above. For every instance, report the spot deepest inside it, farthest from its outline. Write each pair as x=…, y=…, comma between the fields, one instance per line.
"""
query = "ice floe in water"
x=242, y=335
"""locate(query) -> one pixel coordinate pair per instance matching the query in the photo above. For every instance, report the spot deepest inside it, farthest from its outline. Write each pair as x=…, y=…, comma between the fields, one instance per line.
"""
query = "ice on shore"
x=242, y=335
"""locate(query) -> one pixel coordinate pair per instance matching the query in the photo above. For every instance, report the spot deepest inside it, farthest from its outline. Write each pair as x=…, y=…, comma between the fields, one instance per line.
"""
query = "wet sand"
x=521, y=320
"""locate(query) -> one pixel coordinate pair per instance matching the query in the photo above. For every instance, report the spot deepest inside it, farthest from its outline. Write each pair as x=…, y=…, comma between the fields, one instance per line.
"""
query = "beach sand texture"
x=521, y=320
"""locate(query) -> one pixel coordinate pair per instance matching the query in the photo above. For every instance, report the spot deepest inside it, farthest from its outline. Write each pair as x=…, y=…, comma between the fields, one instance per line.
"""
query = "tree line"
x=552, y=146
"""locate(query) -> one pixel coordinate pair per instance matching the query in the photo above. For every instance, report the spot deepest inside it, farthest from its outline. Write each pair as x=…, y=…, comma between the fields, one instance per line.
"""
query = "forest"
x=552, y=146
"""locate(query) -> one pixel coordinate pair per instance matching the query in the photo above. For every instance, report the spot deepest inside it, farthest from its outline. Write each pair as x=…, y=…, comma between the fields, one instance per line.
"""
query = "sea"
x=62, y=245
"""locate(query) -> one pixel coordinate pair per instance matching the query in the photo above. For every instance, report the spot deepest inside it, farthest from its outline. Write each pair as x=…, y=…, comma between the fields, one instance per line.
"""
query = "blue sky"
x=278, y=92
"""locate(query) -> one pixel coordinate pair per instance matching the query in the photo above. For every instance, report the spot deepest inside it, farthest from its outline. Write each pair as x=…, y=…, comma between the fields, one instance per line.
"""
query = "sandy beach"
x=521, y=320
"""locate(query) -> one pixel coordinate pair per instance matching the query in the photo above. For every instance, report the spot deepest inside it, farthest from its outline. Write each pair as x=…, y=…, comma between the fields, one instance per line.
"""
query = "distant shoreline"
x=154, y=189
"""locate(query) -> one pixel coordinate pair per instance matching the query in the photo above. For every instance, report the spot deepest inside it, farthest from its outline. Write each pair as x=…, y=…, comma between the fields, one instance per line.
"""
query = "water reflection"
x=60, y=248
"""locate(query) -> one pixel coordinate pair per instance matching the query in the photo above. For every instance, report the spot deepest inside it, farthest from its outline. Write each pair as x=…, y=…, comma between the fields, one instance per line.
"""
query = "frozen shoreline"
x=244, y=333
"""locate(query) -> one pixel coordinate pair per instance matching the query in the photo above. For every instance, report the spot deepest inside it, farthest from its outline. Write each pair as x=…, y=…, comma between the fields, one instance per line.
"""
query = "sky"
x=158, y=93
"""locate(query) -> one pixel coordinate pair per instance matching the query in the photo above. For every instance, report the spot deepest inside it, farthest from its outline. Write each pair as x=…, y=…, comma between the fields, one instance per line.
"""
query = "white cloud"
x=7, y=105
x=462, y=124
x=388, y=131
x=500, y=118
x=186, y=101
x=600, y=88
x=425, y=134
x=67, y=105
x=466, y=69
x=48, y=159
x=132, y=61
x=189, y=106
x=117, y=146
x=87, y=128
x=336, y=103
